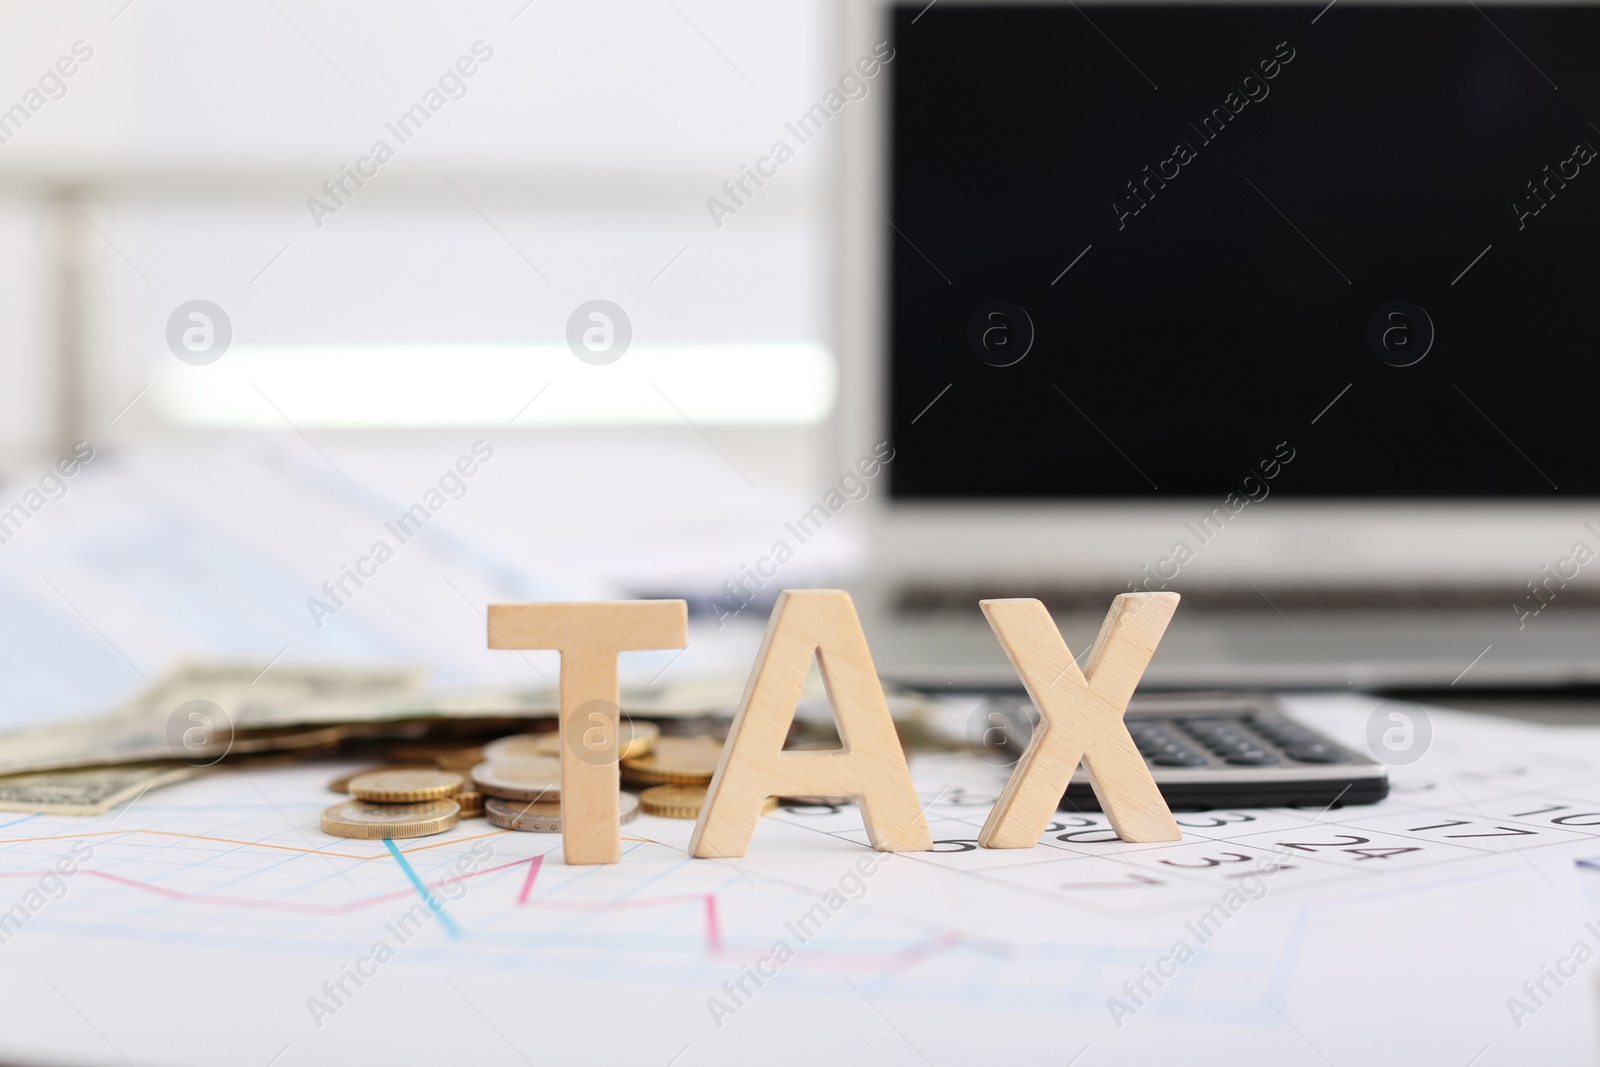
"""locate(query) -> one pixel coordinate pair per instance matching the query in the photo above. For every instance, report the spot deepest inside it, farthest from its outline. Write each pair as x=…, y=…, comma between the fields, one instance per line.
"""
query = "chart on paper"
x=1050, y=939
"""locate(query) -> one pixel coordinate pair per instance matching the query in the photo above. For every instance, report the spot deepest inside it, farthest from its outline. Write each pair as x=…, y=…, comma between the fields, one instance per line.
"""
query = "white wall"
x=576, y=165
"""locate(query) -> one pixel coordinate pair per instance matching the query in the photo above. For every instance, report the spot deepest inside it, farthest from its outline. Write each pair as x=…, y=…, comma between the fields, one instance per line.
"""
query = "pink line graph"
x=715, y=947
x=713, y=929
x=527, y=884
x=266, y=905
x=898, y=961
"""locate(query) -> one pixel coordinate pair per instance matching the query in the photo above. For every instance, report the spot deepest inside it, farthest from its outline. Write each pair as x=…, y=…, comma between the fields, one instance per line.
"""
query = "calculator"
x=1222, y=750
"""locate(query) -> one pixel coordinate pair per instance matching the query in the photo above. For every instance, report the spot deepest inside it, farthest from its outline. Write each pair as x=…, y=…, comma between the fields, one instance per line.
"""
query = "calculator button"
x=1213, y=733
x=1317, y=752
x=1203, y=725
x=1287, y=737
x=1251, y=757
x=1179, y=758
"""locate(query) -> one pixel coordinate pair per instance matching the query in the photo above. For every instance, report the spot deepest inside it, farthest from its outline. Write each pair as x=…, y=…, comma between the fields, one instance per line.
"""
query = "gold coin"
x=443, y=756
x=637, y=739
x=634, y=739
x=543, y=817
x=357, y=818
x=405, y=787
x=679, y=760
x=471, y=802
x=684, y=801
x=341, y=784
x=522, y=746
x=530, y=778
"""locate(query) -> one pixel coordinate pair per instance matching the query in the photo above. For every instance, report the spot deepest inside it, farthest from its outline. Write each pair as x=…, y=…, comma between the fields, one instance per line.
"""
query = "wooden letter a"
x=589, y=636
x=1080, y=718
x=871, y=767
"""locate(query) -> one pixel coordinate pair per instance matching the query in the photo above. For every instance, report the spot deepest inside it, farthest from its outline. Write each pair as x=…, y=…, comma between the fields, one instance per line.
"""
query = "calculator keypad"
x=1298, y=742
x=1163, y=746
x=1229, y=740
x=1241, y=741
x=1236, y=750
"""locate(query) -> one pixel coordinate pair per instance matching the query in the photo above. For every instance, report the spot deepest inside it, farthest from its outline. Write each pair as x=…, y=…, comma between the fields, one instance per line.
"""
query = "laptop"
x=1287, y=308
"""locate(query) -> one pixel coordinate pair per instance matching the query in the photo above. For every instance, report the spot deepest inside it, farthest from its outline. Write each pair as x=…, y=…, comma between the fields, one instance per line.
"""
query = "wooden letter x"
x=1080, y=715
x=870, y=767
x=589, y=636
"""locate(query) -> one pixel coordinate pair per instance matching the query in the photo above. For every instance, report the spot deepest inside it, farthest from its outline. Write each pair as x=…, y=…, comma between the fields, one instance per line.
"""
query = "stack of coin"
x=395, y=803
x=460, y=759
x=535, y=778
x=544, y=817
x=341, y=784
x=683, y=801
x=675, y=761
x=521, y=776
x=445, y=757
x=471, y=801
x=633, y=739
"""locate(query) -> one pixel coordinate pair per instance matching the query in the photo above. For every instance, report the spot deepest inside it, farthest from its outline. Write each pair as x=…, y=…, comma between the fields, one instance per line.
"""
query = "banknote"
x=684, y=698
x=258, y=695
x=201, y=712
x=85, y=792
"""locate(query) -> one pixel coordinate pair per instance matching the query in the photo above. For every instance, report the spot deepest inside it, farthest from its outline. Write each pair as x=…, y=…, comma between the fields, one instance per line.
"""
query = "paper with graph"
x=211, y=922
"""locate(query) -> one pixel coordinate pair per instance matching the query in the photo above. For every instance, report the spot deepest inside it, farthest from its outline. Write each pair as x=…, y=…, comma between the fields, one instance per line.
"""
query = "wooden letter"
x=1080, y=718
x=589, y=636
x=871, y=767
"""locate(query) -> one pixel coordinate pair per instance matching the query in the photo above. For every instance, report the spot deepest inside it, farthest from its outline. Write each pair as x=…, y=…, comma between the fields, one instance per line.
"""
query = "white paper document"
x=212, y=922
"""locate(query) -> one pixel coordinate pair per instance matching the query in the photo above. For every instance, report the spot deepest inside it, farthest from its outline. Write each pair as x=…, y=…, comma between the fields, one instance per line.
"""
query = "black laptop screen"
x=1150, y=251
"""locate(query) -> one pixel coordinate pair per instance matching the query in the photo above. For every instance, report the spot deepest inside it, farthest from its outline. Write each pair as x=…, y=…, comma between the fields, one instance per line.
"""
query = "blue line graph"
x=427, y=898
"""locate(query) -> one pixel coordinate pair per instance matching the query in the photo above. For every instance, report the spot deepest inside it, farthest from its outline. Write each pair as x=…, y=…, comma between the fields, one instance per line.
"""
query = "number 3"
x=1225, y=818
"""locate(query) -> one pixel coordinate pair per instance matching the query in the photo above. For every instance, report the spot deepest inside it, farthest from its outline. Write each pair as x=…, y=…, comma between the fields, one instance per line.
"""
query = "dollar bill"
x=685, y=698
x=86, y=792
x=201, y=712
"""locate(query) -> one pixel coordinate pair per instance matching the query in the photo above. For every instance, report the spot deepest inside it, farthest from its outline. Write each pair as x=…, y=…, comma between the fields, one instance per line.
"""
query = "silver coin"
x=634, y=739
x=360, y=819
x=541, y=817
x=522, y=746
x=532, y=778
